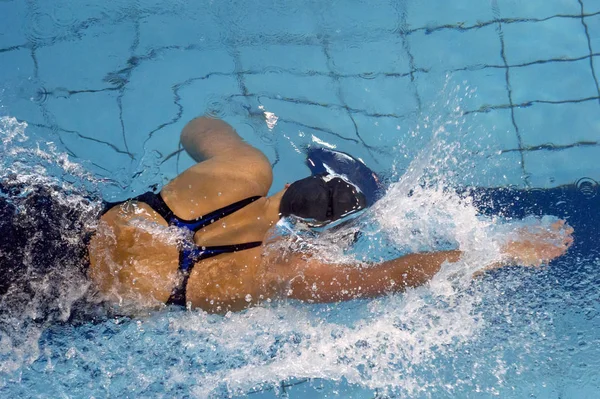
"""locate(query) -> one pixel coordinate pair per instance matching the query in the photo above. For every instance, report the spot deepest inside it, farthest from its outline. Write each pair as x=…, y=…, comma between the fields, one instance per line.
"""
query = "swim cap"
x=321, y=199
x=326, y=161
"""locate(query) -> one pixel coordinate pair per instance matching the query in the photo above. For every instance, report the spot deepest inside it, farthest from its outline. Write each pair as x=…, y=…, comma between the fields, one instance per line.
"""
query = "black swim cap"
x=321, y=199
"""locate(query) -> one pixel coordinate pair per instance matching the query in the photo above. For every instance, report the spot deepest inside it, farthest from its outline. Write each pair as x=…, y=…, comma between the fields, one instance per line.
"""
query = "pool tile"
x=593, y=24
x=316, y=89
x=86, y=153
x=66, y=20
x=380, y=96
x=13, y=15
x=494, y=170
x=545, y=40
x=381, y=56
x=537, y=9
x=172, y=67
x=160, y=147
x=261, y=22
x=193, y=29
x=225, y=24
x=596, y=61
x=393, y=135
x=18, y=88
x=573, y=387
x=555, y=168
x=15, y=66
x=487, y=132
x=469, y=90
x=335, y=122
x=152, y=83
x=211, y=95
x=164, y=142
x=392, y=141
x=559, y=124
x=84, y=63
x=288, y=57
x=478, y=142
x=94, y=115
x=109, y=162
x=24, y=109
x=571, y=80
x=450, y=49
x=347, y=19
x=591, y=6
x=456, y=12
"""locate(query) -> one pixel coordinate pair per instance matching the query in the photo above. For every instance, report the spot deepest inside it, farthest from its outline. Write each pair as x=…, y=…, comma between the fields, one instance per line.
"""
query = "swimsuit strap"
x=156, y=202
x=196, y=224
x=189, y=256
x=189, y=252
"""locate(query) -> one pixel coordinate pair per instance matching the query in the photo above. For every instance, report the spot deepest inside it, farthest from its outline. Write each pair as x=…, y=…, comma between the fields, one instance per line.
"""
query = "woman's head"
x=321, y=199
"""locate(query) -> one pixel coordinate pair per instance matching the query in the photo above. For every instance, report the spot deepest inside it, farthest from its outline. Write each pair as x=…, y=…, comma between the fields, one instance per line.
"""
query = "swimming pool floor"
x=114, y=84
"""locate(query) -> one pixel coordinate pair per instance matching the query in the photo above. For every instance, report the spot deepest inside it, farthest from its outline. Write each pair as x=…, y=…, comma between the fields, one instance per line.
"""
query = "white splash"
x=25, y=167
x=317, y=140
x=395, y=345
x=270, y=117
x=12, y=130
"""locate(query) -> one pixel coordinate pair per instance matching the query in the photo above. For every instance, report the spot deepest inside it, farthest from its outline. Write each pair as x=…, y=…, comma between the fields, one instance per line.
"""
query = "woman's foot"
x=537, y=245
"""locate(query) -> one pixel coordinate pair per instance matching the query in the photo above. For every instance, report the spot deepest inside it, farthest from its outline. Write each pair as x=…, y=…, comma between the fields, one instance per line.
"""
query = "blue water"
x=430, y=94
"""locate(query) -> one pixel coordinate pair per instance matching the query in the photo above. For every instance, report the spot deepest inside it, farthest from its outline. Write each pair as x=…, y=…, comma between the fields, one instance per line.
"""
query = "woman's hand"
x=537, y=245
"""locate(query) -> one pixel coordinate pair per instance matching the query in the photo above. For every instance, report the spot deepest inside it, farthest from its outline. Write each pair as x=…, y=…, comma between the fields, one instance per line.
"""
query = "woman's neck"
x=271, y=208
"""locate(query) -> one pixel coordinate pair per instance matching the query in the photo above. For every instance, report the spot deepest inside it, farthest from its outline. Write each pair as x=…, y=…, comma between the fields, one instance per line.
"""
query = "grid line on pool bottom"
x=240, y=73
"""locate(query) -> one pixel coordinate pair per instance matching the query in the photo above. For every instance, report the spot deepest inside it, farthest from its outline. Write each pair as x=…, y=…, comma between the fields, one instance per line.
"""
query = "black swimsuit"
x=189, y=252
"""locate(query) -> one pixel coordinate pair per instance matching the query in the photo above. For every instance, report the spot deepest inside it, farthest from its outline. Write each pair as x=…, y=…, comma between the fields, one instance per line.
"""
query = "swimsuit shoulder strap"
x=189, y=252
x=196, y=224
x=156, y=202
x=188, y=258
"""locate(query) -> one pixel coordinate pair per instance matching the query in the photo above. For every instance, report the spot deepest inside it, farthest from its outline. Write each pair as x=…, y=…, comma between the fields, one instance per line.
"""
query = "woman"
x=220, y=262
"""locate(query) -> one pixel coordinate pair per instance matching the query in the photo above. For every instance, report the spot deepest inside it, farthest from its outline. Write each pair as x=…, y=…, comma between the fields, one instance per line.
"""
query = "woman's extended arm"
x=316, y=281
x=307, y=278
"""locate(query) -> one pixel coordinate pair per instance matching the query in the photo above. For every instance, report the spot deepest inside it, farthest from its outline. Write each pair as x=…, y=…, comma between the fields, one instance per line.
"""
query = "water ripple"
x=588, y=187
x=42, y=28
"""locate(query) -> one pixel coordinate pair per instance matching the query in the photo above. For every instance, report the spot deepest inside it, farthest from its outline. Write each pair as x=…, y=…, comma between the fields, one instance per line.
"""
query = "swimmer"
x=224, y=263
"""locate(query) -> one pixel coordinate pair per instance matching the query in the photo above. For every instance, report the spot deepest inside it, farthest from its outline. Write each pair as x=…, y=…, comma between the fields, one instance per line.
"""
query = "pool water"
x=435, y=96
